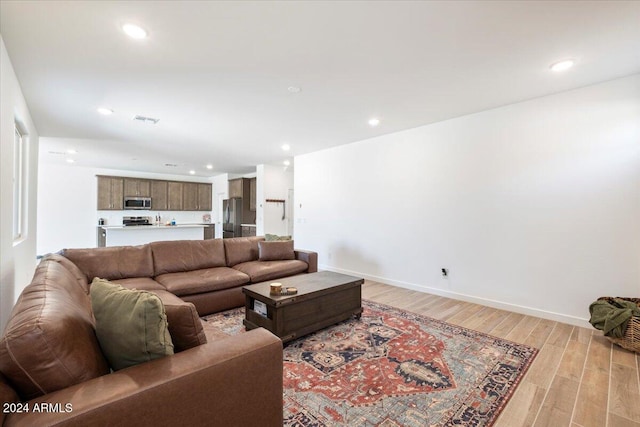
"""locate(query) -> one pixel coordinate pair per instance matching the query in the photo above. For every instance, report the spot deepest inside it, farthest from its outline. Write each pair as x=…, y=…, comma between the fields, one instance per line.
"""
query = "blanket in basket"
x=612, y=317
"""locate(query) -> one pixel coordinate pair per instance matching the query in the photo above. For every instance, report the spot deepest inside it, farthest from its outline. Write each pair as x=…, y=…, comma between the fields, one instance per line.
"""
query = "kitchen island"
x=122, y=235
x=248, y=230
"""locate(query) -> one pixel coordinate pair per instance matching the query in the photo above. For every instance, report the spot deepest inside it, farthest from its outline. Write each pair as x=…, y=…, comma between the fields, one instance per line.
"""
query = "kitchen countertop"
x=150, y=227
x=247, y=225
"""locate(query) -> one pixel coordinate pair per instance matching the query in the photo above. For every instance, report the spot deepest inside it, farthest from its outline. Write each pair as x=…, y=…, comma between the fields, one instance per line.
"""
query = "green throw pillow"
x=131, y=325
x=275, y=237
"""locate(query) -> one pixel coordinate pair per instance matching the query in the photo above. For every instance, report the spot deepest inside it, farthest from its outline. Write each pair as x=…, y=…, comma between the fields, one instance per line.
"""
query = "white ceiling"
x=216, y=73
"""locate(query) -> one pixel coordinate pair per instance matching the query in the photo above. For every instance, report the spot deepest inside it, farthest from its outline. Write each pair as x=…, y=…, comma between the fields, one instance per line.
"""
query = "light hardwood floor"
x=579, y=379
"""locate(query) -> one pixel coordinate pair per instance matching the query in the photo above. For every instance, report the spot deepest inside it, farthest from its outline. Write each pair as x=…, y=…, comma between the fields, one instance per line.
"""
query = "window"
x=19, y=184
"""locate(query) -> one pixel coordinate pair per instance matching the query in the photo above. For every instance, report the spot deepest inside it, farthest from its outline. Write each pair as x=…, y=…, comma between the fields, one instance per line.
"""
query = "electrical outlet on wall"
x=444, y=276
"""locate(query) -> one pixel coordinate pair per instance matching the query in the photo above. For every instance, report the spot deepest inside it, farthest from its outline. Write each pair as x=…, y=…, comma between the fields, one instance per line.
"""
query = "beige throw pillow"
x=276, y=251
x=131, y=325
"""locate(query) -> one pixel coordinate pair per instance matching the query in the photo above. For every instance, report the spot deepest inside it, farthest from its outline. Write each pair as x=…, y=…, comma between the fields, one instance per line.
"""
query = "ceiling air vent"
x=171, y=165
x=144, y=119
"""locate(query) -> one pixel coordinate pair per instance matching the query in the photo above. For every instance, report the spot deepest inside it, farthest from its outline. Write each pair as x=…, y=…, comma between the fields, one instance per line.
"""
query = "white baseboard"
x=530, y=311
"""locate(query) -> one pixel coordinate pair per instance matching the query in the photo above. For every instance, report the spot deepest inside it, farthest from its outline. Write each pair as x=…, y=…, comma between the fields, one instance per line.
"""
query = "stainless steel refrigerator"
x=232, y=211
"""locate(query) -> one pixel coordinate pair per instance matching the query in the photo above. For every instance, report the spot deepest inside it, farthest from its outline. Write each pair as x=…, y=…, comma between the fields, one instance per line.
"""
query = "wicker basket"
x=631, y=339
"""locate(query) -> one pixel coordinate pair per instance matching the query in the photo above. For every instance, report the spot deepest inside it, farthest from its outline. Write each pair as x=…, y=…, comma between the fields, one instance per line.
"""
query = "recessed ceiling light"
x=134, y=31
x=192, y=172
x=562, y=65
x=72, y=151
x=70, y=161
x=374, y=122
x=294, y=89
x=105, y=111
x=209, y=166
x=286, y=163
x=286, y=147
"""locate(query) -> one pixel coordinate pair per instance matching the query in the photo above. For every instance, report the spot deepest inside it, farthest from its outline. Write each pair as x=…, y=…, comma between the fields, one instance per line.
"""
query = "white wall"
x=273, y=182
x=67, y=198
x=17, y=260
x=534, y=207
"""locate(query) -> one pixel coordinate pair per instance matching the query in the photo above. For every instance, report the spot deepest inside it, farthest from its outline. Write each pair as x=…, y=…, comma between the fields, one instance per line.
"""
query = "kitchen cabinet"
x=235, y=187
x=165, y=195
x=248, y=231
x=137, y=187
x=204, y=197
x=110, y=193
x=197, y=197
x=252, y=194
x=175, y=194
x=159, y=195
x=244, y=188
x=209, y=231
x=190, y=196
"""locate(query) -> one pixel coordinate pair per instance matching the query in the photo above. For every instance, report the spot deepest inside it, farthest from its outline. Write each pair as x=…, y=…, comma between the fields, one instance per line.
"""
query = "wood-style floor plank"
x=540, y=333
x=506, y=326
x=572, y=363
x=616, y=421
x=579, y=379
x=624, y=399
x=557, y=407
x=522, y=330
x=591, y=405
x=467, y=315
x=491, y=321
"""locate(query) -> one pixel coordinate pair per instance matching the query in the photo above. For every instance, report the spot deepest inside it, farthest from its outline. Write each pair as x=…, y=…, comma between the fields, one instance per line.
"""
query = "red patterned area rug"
x=395, y=368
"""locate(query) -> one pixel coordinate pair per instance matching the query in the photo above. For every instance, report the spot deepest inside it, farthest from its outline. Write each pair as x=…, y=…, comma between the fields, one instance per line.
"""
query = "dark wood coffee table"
x=323, y=299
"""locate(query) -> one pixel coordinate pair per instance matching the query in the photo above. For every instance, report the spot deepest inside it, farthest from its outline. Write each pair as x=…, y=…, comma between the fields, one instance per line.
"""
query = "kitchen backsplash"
x=181, y=217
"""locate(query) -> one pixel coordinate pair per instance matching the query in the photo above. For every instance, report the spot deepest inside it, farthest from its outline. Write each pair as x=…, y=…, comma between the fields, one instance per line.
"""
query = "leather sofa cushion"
x=111, y=263
x=187, y=255
x=185, y=325
x=131, y=325
x=216, y=301
x=73, y=269
x=49, y=342
x=140, y=283
x=241, y=249
x=199, y=281
x=276, y=250
x=260, y=271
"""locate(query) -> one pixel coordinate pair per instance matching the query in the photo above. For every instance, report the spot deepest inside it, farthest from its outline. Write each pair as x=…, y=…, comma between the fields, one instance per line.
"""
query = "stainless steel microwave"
x=137, y=203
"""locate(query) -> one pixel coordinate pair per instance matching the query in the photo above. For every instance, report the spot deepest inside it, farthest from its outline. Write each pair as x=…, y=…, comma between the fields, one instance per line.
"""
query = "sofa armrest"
x=7, y=396
x=309, y=257
x=236, y=381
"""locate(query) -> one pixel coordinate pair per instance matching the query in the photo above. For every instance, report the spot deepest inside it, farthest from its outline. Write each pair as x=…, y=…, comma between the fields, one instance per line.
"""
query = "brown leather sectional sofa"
x=53, y=372
x=208, y=273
